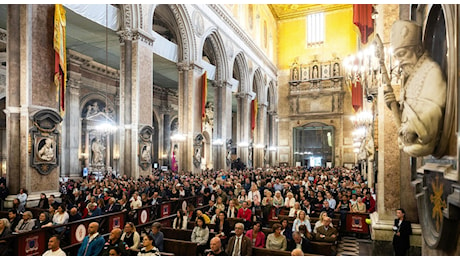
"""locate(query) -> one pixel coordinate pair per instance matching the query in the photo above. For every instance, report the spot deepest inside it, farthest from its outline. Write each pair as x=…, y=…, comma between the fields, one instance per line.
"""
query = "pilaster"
x=244, y=102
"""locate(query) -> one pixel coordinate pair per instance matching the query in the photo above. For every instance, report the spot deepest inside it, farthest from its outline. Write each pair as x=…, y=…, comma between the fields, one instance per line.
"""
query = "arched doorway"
x=313, y=145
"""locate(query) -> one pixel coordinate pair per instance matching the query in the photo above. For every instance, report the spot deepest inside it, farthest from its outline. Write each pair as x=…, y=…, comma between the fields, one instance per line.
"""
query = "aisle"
x=352, y=246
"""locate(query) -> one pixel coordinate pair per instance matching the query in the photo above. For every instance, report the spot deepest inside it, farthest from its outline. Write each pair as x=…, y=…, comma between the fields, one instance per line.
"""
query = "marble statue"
x=209, y=113
x=146, y=153
x=92, y=109
x=98, y=150
x=423, y=92
x=46, y=153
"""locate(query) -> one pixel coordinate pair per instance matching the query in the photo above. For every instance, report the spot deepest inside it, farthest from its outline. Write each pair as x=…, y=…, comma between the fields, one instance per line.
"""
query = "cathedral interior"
x=128, y=89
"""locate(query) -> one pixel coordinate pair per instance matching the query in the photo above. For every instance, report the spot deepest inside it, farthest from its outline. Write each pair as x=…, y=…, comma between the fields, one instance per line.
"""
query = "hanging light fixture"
x=108, y=125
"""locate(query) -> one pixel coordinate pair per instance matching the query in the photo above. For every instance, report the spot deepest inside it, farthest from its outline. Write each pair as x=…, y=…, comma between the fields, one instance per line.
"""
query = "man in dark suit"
x=112, y=206
x=239, y=244
x=403, y=230
x=325, y=233
x=299, y=242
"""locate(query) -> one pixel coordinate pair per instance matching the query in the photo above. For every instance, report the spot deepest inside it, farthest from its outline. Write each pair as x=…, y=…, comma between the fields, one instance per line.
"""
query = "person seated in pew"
x=216, y=248
x=43, y=221
x=329, y=210
x=325, y=232
x=200, y=235
x=131, y=237
x=26, y=223
x=5, y=244
x=286, y=229
x=215, y=216
x=256, y=235
x=239, y=244
x=246, y=214
x=222, y=228
x=200, y=213
x=276, y=240
x=148, y=248
x=13, y=218
x=302, y=219
x=180, y=221
x=220, y=204
x=304, y=232
x=232, y=211
x=278, y=203
x=74, y=215
x=294, y=211
x=320, y=222
x=299, y=242
x=115, y=241
x=297, y=252
x=158, y=236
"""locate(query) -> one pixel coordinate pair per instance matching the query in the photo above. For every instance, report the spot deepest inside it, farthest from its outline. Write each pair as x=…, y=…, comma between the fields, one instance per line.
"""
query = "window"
x=315, y=29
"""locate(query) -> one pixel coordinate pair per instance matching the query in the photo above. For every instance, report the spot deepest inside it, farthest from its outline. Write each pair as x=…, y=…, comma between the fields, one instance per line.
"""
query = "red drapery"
x=362, y=17
x=356, y=96
x=60, y=59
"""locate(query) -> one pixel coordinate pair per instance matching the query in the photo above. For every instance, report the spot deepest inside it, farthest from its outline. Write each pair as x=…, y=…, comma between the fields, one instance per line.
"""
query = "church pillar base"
x=382, y=230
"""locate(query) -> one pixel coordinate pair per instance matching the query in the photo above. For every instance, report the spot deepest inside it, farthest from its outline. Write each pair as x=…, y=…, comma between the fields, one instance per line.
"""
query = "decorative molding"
x=135, y=35
x=223, y=14
x=188, y=45
x=89, y=64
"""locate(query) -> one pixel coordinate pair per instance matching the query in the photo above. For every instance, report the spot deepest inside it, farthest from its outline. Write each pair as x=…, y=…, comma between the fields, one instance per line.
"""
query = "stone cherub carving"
x=423, y=92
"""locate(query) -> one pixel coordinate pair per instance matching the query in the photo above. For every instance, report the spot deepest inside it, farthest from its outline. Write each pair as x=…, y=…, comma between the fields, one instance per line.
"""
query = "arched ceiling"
x=288, y=11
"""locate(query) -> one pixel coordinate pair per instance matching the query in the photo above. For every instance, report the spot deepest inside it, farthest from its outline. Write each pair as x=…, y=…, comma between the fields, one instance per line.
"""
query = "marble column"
x=393, y=180
x=72, y=127
x=136, y=94
x=244, y=124
x=189, y=113
x=167, y=149
x=29, y=89
x=260, y=136
x=222, y=118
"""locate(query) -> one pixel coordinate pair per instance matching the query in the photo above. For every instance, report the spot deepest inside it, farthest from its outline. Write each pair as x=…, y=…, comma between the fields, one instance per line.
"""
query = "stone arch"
x=218, y=47
x=92, y=96
x=242, y=69
x=258, y=86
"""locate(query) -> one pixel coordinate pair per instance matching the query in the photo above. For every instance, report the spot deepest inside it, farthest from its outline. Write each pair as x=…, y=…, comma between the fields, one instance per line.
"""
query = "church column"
x=136, y=82
x=260, y=144
x=274, y=153
x=167, y=138
x=189, y=113
x=222, y=118
x=73, y=126
x=244, y=110
x=29, y=89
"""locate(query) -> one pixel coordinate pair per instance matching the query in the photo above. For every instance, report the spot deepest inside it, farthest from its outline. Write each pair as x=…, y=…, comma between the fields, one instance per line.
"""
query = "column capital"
x=135, y=35
x=73, y=84
x=242, y=95
x=262, y=105
x=186, y=66
x=221, y=84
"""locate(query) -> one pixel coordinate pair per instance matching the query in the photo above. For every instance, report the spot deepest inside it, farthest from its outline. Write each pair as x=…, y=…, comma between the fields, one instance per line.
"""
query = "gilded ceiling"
x=288, y=11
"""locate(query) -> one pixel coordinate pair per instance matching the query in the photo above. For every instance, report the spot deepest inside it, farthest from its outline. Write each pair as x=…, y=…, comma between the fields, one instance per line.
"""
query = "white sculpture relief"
x=423, y=94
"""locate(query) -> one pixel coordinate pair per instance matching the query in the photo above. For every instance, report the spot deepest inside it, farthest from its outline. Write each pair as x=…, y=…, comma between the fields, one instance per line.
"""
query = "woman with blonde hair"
x=320, y=222
x=289, y=201
x=302, y=219
x=294, y=211
x=131, y=237
x=278, y=202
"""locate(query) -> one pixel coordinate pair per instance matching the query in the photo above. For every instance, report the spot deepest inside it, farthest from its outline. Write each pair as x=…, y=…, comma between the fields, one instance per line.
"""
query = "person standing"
x=403, y=230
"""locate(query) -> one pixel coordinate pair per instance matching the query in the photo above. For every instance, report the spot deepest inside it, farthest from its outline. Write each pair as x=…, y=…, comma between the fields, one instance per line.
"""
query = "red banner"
x=362, y=17
x=254, y=107
x=78, y=232
x=356, y=222
x=356, y=96
x=117, y=221
x=165, y=209
x=32, y=244
x=143, y=216
x=204, y=96
x=60, y=59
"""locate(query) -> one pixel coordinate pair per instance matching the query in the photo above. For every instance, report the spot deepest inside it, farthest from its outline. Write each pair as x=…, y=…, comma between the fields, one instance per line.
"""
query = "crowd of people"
x=250, y=194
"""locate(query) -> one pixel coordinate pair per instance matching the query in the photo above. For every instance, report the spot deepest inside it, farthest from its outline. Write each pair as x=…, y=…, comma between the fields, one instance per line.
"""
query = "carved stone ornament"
x=45, y=144
x=145, y=147
x=197, y=148
x=198, y=23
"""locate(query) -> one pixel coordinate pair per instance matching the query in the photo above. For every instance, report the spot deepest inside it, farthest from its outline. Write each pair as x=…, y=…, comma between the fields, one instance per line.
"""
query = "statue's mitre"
x=405, y=33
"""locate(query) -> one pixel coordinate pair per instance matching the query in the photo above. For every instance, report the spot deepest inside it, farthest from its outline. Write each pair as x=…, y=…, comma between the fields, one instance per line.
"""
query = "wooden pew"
x=257, y=251
x=191, y=225
x=323, y=248
x=179, y=247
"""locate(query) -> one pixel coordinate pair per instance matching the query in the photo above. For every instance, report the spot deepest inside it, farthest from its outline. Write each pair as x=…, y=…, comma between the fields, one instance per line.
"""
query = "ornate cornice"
x=135, y=35
x=3, y=35
x=223, y=14
x=89, y=64
x=186, y=66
